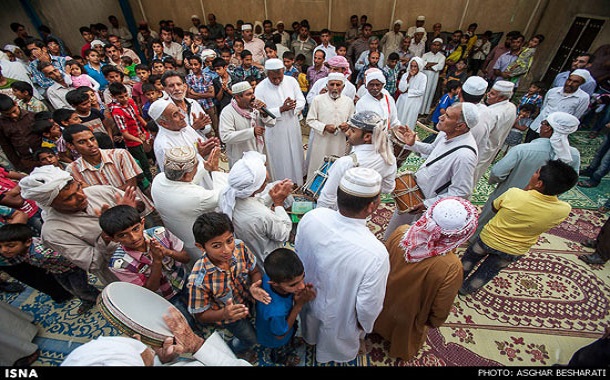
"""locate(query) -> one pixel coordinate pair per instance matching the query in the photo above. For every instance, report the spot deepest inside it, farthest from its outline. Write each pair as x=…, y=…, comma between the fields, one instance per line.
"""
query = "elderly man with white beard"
x=327, y=117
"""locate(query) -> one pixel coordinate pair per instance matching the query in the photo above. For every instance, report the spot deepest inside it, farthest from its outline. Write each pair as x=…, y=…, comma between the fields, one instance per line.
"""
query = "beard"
x=334, y=95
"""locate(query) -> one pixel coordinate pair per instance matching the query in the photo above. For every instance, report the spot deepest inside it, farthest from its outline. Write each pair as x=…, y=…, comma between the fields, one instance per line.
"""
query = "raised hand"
x=258, y=293
x=205, y=147
x=233, y=312
x=201, y=120
x=407, y=134
x=212, y=162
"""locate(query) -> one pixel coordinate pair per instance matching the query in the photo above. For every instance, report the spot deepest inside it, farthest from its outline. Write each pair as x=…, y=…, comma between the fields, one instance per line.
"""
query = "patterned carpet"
x=536, y=312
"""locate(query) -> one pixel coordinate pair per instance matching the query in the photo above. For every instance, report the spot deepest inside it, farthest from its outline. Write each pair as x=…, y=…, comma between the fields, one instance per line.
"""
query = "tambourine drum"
x=314, y=185
x=400, y=151
x=134, y=309
x=407, y=193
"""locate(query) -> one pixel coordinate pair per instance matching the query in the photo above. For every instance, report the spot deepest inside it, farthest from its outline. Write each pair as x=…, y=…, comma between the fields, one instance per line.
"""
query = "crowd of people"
x=111, y=166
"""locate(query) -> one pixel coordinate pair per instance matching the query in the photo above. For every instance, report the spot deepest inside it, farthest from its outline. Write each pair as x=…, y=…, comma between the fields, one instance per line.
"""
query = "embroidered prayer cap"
x=157, y=108
x=584, y=74
x=440, y=40
x=475, y=85
x=44, y=183
x=420, y=30
x=503, y=86
x=443, y=227
x=421, y=18
x=274, y=64
x=246, y=27
x=361, y=182
x=399, y=22
x=240, y=87
x=96, y=42
x=365, y=120
x=374, y=73
x=180, y=158
x=471, y=114
x=336, y=76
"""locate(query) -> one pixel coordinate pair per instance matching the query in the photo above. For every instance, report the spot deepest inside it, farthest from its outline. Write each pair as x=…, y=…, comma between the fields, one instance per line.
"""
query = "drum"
x=134, y=309
x=400, y=151
x=407, y=193
x=314, y=185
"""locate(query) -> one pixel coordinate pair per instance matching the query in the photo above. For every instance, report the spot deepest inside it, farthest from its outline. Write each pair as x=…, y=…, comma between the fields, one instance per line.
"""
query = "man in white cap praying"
x=369, y=148
x=71, y=222
x=568, y=98
x=284, y=141
x=242, y=123
x=435, y=63
x=450, y=163
x=390, y=42
x=521, y=162
x=504, y=114
x=262, y=226
x=327, y=117
x=179, y=200
x=347, y=265
x=377, y=99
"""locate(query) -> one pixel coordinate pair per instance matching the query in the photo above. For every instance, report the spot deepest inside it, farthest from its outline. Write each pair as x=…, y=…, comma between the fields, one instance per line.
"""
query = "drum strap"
x=444, y=187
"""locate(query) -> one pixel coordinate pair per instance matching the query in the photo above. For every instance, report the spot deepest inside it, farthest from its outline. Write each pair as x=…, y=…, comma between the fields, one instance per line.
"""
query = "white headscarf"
x=44, y=184
x=246, y=176
x=374, y=73
x=107, y=351
x=420, y=64
x=563, y=124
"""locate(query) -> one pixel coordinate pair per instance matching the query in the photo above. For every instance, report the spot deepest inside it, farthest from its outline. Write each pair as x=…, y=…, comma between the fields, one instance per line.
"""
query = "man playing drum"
x=449, y=167
x=370, y=149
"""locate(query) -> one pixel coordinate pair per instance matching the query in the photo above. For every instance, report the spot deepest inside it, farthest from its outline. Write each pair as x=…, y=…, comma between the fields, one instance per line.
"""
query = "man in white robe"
x=504, y=114
x=378, y=101
x=241, y=123
x=473, y=91
x=336, y=64
x=435, y=63
x=327, y=117
x=348, y=267
x=284, y=142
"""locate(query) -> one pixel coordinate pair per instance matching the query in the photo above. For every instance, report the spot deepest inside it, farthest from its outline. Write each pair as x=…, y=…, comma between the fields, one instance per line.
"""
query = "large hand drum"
x=407, y=193
x=400, y=148
x=134, y=309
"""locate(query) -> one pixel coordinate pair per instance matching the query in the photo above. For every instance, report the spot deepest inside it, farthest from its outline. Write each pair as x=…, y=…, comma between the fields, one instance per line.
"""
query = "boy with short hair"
x=390, y=71
x=533, y=96
x=150, y=94
x=522, y=123
x=246, y=68
x=157, y=67
x=47, y=156
x=451, y=96
x=24, y=93
x=521, y=217
x=65, y=117
x=113, y=75
x=224, y=282
x=129, y=67
x=276, y=322
x=18, y=244
x=289, y=68
x=49, y=132
x=153, y=258
x=143, y=72
x=93, y=118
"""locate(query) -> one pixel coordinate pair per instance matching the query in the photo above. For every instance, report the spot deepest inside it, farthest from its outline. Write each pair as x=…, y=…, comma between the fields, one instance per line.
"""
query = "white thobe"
x=284, y=140
x=348, y=267
x=349, y=90
x=365, y=157
x=180, y=203
x=480, y=131
x=195, y=109
x=457, y=167
x=504, y=114
x=411, y=98
x=186, y=136
x=262, y=229
x=237, y=134
x=384, y=107
x=324, y=110
x=432, y=75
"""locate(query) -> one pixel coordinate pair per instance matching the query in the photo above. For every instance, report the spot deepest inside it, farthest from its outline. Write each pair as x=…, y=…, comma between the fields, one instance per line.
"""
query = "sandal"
x=586, y=184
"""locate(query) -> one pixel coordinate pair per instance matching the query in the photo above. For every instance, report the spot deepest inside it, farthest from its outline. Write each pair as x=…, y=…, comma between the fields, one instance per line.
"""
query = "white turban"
x=336, y=76
x=563, y=124
x=107, y=351
x=374, y=74
x=44, y=184
x=246, y=176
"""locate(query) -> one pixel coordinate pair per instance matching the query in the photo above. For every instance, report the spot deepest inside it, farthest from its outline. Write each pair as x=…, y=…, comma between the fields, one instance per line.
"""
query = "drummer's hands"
x=418, y=208
x=185, y=340
x=259, y=293
x=280, y=192
x=408, y=135
x=234, y=312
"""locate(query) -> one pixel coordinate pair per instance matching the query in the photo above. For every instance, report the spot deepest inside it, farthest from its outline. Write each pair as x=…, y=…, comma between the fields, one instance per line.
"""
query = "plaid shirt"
x=240, y=74
x=135, y=266
x=391, y=78
x=535, y=99
x=211, y=287
x=39, y=255
x=201, y=84
x=126, y=120
x=39, y=78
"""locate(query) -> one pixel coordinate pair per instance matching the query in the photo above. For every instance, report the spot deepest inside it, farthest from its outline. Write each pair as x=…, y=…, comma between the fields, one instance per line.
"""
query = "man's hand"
x=184, y=341
x=280, y=191
x=330, y=128
x=201, y=120
x=128, y=198
x=288, y=105
x=205, y=147
x=406, y=134
x=259, y=131
x=418, y=208
x=212, y=162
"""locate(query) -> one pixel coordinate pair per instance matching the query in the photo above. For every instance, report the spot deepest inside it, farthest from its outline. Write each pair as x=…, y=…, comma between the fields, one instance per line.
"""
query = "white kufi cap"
x=475, y=85
x=504, y=86
x=240, y=87
x=471, y=114
x=582, y=73
x=157, y=108
x=361, y=182
x=274, y=64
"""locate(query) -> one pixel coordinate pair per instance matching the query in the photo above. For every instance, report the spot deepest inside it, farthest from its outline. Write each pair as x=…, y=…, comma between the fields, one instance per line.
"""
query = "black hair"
x=15, y=232
x=142, y=66
x=127, y=59
x=557, y=177
x=147, y=86
x=393, y=56
x=119, y=218
x=83, y=29
x=152, y=127
x=300, y=57
x=41, y=127
x=76, y=97
x=153, y=78
x=468, y=98
x=62, y=114
x=351, y=203
x=23, y=87
x=196, y=58
x=540, y=38
x=529, y=107
x=172, y=73
x=453, y=84
x=219, y=62
x=73, y=129
x=15, y=25
x=156, y=41
x=42, y=115
x=111, y=69
x=43, y=149
x=44, y=29
x=42, y=64
x=117, y=88
x=101, y=26
x=171, y=61
x=288, y=55
x=103, y=140
x=210, y=225
x=6, y=102
x=283, y=265
x=178, y=31
x=272, y=45
x=245, y=53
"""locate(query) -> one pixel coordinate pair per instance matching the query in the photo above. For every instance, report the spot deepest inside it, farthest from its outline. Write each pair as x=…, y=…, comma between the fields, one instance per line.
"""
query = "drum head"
x=135, y=309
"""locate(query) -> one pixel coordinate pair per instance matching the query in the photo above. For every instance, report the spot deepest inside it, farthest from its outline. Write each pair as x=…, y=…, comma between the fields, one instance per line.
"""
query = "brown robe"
x=418, y=295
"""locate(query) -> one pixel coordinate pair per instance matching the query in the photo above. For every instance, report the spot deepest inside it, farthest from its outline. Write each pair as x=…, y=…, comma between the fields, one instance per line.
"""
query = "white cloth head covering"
x=582, y=73
x=420, y=30
x=361, y=182
x=107, y=351
x=471, y=114
x=208, y=53
x=444, y=226
x=370, y=121
x=157, y=108
x=437, y=40
x=96, y=42
x=279, y=22
x=336, y=76
x=475, y=85
x=421, y=18
x=274, y=64
x=420, y=63
x=374, y=73
x=44, y=184
x=246, y=27
x=11, y=48
x=563, y=124
x=399, y=22
x=240, y=87
x=503, y=86
x=245, y=177
x=180, y=158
